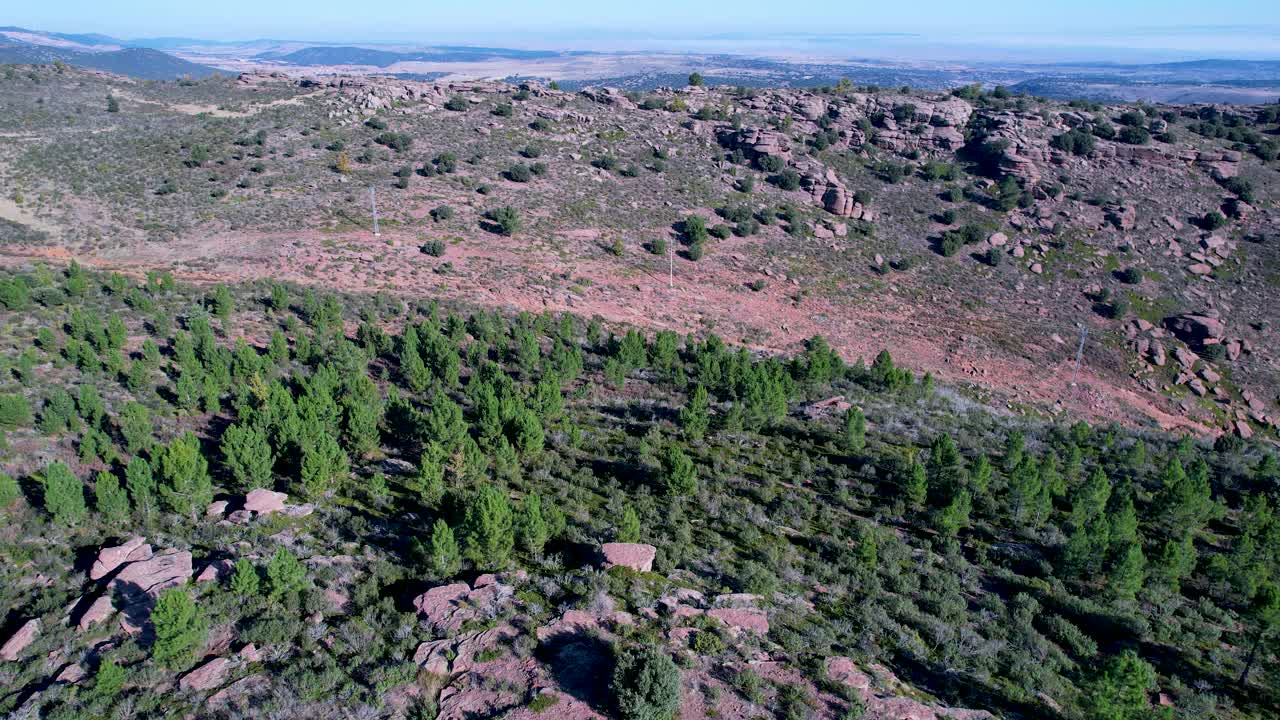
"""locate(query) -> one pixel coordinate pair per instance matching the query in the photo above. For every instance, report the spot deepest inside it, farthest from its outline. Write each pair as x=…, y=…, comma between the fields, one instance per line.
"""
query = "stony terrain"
x=852, y=252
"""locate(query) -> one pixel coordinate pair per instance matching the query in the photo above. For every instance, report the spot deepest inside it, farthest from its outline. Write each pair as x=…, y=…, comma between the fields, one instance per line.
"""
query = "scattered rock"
x=19, y=641
x=71, y=674
x=206, y=677
x=100, y=610
x=215, y=570
x=238, y=691
x=742, y=619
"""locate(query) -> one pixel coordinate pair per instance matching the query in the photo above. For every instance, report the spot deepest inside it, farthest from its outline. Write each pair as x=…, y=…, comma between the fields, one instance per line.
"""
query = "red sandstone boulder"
x=133, y=550
x=637, y=556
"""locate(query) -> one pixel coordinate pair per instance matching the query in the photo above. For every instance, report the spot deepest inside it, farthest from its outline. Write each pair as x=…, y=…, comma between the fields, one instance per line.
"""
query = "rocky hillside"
x=975, y=232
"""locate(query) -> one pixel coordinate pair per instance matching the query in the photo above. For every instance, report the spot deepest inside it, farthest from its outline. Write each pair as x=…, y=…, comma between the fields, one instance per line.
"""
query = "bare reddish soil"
x=965, y=348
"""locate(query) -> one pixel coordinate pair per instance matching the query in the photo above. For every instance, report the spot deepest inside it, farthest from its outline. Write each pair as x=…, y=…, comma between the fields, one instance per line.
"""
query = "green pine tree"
x=185, y=486
x=955, y=516
x=442, y=552
x=244, y=579
x=324, y=464
x=110, y=499
x=286, y=575
x=141, y=484
x=855, y=430
x=247, y=454
x=629, y=526
x=679, y=475
x=9, y=490
x=915, y=486
x=531, y=528
x=1129, y=573
x=489, y=529
x=695, y=416
x=1120, y=689
x=180, y=628
x=63, y=494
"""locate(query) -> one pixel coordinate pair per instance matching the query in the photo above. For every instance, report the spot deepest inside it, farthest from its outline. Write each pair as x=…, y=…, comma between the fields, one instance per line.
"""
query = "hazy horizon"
x=929, y=31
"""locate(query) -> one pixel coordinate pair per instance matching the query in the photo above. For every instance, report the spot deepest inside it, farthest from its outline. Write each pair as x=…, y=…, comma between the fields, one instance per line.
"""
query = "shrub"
x=1134, y=136
x=446, y=162
x=519, y=173
x=787, y=180
x=9, y=490
x=646, y=684
x=441, y=213
x=1075, y=141
x=457, y=103
x=15, y=412
x=1131, y=276
x=396, y=141
x=1212, y=220
x=771, y=163
x=506, y=220
x=434, y=248
x=503, y=110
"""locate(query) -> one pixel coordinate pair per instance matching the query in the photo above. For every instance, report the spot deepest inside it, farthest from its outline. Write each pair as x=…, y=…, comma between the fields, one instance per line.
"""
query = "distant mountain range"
x=99, y=52
x=1205, y=80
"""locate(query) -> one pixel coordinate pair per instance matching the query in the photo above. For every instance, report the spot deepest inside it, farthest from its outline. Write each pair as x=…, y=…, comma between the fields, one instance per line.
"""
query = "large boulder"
x=133, y=550
x=448, y=607
x=1196, y=330
x=264, y=502
x=165, y=570
x=637, y=556
x=19, y=641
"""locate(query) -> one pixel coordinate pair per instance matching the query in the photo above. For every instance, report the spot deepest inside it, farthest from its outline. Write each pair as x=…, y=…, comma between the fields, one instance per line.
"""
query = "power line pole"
x=373, y=203
x=1075, y=376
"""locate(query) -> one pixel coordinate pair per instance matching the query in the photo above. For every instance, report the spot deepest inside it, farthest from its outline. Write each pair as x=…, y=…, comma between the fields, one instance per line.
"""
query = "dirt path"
x=711, y=294
x=214, y=110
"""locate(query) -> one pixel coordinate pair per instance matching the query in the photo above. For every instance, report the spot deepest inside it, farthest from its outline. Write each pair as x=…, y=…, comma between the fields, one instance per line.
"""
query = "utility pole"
x=373, y=203
x=1084, y=333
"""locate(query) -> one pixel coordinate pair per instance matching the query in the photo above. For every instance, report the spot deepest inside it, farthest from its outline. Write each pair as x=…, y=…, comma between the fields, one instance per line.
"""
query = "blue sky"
x=1157, y=23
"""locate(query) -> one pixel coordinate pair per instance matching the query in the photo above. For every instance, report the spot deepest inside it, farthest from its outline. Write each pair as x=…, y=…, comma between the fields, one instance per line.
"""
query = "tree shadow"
x=582, y=664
